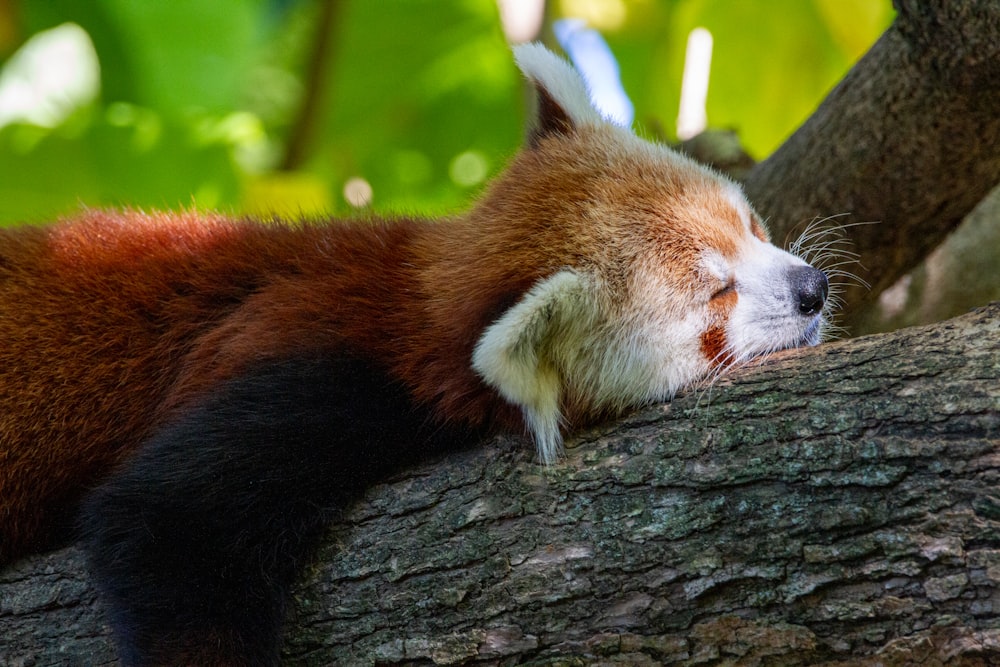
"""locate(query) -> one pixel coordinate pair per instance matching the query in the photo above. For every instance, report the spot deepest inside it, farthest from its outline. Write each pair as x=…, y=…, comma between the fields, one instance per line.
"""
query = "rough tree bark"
x=909, y=139
x=836, y=505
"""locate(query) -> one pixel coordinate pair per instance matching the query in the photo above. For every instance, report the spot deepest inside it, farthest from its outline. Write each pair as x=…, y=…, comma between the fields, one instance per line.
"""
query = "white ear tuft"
x=563, y=99
x=522, y=354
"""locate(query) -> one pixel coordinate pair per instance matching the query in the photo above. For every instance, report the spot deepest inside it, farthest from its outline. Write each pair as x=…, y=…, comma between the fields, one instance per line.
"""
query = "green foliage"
x=417, y=85
x=198, y=100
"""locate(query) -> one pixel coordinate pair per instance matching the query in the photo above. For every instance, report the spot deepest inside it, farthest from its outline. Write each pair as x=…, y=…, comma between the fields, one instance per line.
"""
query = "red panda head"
x=651, y=272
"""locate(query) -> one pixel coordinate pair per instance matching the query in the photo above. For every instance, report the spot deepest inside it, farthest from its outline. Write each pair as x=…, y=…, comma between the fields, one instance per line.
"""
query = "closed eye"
x=728, y=289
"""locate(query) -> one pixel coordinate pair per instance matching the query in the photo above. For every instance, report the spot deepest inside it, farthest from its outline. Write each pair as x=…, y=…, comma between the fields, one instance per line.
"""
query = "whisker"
x=824, y=244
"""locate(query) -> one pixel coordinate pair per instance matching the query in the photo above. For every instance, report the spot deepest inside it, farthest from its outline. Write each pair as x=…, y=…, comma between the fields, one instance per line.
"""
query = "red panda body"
x=198, y=395
x=114, y=320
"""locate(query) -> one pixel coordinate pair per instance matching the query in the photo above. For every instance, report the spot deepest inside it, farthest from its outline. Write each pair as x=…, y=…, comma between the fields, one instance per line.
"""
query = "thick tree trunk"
x=910, y=140
x=835, y=505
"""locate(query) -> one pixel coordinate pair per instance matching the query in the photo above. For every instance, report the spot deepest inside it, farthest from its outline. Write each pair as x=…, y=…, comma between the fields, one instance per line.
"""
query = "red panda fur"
x=599, y=272
x=114, y=319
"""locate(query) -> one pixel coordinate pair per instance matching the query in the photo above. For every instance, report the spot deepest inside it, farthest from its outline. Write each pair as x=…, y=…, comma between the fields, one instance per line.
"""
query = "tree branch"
x=910, y=138
x=835, y=504
x=302, y=136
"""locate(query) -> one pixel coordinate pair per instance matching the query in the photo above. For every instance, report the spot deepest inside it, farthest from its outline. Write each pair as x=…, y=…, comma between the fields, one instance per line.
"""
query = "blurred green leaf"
x=420, y=101
x=43, y=174
x=413, y=88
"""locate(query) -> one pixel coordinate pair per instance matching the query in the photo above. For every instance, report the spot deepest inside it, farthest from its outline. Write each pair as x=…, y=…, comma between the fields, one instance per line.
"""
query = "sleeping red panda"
x=195, y=396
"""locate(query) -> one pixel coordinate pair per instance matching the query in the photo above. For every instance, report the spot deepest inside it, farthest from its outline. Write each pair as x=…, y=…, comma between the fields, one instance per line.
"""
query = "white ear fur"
x=521, y=354
x=564, y=85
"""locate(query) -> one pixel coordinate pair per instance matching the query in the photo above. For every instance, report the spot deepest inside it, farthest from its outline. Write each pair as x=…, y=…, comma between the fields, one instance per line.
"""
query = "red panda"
x=195, y=396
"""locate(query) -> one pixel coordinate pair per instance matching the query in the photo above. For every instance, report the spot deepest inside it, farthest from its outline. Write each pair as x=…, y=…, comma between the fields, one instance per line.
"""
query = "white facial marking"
x=766, y=316
x=716, y=265
x=739, y=202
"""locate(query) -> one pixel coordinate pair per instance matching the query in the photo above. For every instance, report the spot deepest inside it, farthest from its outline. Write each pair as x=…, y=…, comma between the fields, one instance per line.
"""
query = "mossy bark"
x=836, y=505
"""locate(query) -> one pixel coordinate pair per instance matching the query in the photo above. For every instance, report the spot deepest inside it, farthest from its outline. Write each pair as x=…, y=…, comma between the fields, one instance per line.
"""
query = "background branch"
x=910, y=138
x=302, y=136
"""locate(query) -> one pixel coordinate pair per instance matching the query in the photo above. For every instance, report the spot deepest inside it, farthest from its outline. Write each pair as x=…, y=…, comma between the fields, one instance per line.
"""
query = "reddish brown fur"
x=110, y=321
x=714, y=345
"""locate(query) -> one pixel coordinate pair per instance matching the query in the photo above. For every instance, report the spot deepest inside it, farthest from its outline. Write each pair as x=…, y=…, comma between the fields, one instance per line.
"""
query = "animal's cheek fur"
x=648, y=348
x=715, y=344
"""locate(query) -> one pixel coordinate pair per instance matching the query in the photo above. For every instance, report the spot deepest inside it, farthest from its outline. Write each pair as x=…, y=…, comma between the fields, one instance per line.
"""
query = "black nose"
x=809, y=288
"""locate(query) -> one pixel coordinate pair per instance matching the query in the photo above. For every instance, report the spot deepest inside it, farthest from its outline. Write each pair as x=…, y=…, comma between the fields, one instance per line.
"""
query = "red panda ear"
x=550, y=118
x=563, y=103
x=524, y=354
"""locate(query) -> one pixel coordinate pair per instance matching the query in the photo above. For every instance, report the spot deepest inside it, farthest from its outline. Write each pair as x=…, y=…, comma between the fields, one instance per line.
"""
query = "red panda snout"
x=780, y=304
x=810, y=288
